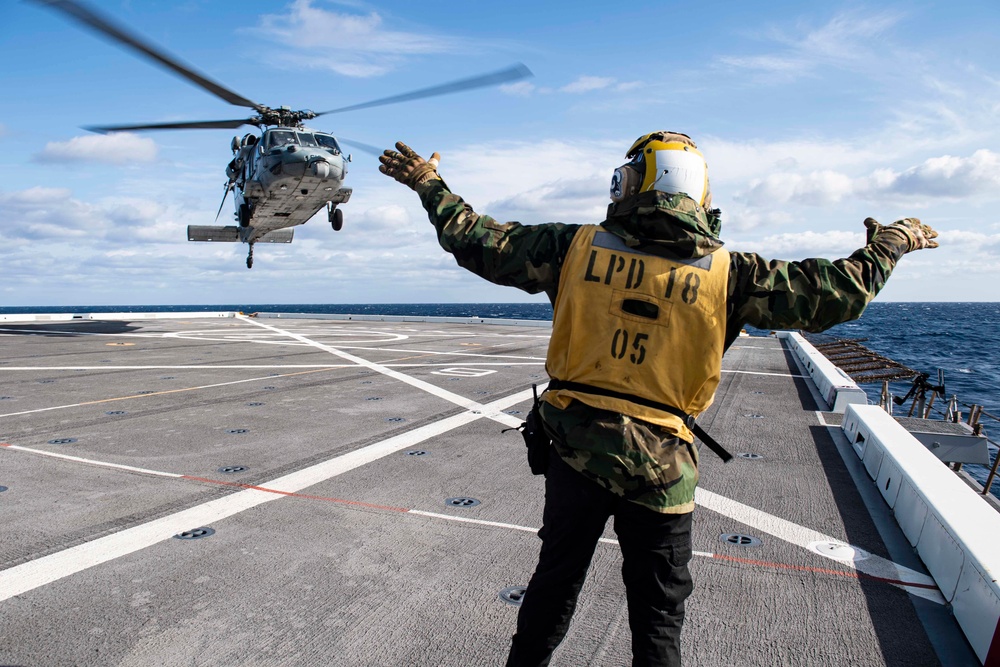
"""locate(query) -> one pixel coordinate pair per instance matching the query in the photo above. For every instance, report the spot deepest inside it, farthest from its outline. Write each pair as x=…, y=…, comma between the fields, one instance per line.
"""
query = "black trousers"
x=655, y=548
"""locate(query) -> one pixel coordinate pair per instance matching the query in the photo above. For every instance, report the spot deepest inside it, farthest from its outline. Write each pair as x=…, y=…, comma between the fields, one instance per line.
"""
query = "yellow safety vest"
x=640, y=325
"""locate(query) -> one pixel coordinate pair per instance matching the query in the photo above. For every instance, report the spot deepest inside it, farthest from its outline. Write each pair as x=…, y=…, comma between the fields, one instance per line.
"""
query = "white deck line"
x=104, y=367
x=47, y=569
x=136, y=396
x=432, y=389
x=102, y=464
x=779, y=375
x=793, y=533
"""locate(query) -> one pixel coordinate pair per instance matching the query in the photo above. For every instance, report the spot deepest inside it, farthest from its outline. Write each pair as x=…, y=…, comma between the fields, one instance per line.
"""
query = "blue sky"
x=813, y=116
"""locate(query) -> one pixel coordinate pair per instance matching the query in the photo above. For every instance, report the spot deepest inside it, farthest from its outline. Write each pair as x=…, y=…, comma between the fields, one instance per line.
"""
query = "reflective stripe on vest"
x=641, y=325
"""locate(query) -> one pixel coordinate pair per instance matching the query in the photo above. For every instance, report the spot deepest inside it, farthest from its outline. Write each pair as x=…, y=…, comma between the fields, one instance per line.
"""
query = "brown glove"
x=917, y=233
x=407, y=167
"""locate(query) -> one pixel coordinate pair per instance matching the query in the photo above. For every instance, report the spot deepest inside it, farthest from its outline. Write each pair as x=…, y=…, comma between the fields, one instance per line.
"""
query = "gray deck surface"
x=340, y=569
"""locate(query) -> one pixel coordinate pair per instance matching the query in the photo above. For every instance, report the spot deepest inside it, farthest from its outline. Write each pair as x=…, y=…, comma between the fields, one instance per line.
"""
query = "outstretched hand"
x=407, y=167
x=918, y=234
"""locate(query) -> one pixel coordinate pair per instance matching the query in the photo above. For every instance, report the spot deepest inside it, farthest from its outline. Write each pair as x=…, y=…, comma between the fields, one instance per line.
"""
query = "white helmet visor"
x=679, y=171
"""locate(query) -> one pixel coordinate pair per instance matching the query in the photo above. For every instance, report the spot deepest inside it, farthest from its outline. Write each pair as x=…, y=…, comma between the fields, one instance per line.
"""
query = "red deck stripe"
x=823, y=570
x=341, y=501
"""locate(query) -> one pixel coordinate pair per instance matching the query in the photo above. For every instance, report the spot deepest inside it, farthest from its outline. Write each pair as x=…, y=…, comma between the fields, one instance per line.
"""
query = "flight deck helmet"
x=668, y=162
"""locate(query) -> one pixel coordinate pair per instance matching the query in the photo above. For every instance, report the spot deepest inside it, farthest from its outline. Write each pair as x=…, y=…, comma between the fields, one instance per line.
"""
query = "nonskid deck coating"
x=335, y=545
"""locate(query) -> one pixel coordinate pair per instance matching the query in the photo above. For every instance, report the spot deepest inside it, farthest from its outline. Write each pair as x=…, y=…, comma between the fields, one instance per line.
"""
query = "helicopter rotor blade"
x=367, y=148
x=89, y=17
x=192, y=125
x=513, y=73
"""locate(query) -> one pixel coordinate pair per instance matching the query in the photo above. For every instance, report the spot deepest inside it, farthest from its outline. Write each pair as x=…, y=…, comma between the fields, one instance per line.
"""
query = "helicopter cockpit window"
x=306, y=139
x=279, y=138
x=328, y=142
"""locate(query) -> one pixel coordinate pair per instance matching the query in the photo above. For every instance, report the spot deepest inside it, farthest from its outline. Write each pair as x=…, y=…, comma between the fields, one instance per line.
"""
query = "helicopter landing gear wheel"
x=336, y=218
x=250, y=258
x=244, y=215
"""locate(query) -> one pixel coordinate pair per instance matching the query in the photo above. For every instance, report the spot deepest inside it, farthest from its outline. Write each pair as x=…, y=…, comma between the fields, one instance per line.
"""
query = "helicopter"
x=285, y=175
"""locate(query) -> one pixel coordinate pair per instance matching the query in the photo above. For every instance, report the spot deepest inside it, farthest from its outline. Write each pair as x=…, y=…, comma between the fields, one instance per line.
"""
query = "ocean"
x=963, y=339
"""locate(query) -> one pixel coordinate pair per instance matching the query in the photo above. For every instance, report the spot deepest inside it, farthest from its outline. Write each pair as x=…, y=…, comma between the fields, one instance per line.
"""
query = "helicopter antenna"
x=229, y=186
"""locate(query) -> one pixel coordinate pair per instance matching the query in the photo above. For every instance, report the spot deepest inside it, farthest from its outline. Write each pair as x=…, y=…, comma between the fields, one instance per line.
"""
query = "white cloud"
x=357, y=45
x=946, y=176
x=54, y=216
x=818, y=188
x=844, y=41
x=536, y=181
x=521, y=88
x=117, y=149
x=799, y=245
x=586, y=84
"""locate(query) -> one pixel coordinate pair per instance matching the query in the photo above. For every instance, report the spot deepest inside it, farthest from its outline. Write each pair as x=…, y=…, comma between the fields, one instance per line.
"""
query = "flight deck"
x=299, y=490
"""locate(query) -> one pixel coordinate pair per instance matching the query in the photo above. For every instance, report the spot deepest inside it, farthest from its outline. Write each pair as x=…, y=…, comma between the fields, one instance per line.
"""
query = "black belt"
x=639, y=400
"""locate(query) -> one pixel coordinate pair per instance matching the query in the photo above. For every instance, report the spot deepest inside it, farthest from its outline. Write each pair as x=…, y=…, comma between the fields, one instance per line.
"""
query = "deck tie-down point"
x=237, y=431
x=740, y=540
x=417, y=452
x=461, y=502
x=513, y=595
x=195, y=533
x=750, y=455
x=232, y=469
x=62, y=441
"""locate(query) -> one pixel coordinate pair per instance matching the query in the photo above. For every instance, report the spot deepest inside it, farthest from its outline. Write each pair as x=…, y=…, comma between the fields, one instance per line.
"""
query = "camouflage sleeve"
x=813, y=294
x=528, y=257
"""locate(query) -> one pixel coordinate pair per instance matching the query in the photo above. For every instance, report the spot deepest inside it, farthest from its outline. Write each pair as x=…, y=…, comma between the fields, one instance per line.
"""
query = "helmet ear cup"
x=625, y=182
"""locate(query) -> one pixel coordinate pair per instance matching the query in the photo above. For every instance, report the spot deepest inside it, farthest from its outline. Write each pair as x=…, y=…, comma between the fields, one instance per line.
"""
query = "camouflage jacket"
x=636, y=460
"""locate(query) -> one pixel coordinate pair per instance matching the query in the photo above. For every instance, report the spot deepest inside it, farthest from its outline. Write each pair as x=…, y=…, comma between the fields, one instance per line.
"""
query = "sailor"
x=644, y=306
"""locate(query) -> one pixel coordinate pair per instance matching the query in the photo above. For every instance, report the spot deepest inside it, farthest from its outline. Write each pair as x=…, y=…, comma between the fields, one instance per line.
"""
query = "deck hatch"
x=461, y=501
x=740, y=540
x=513, y=595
